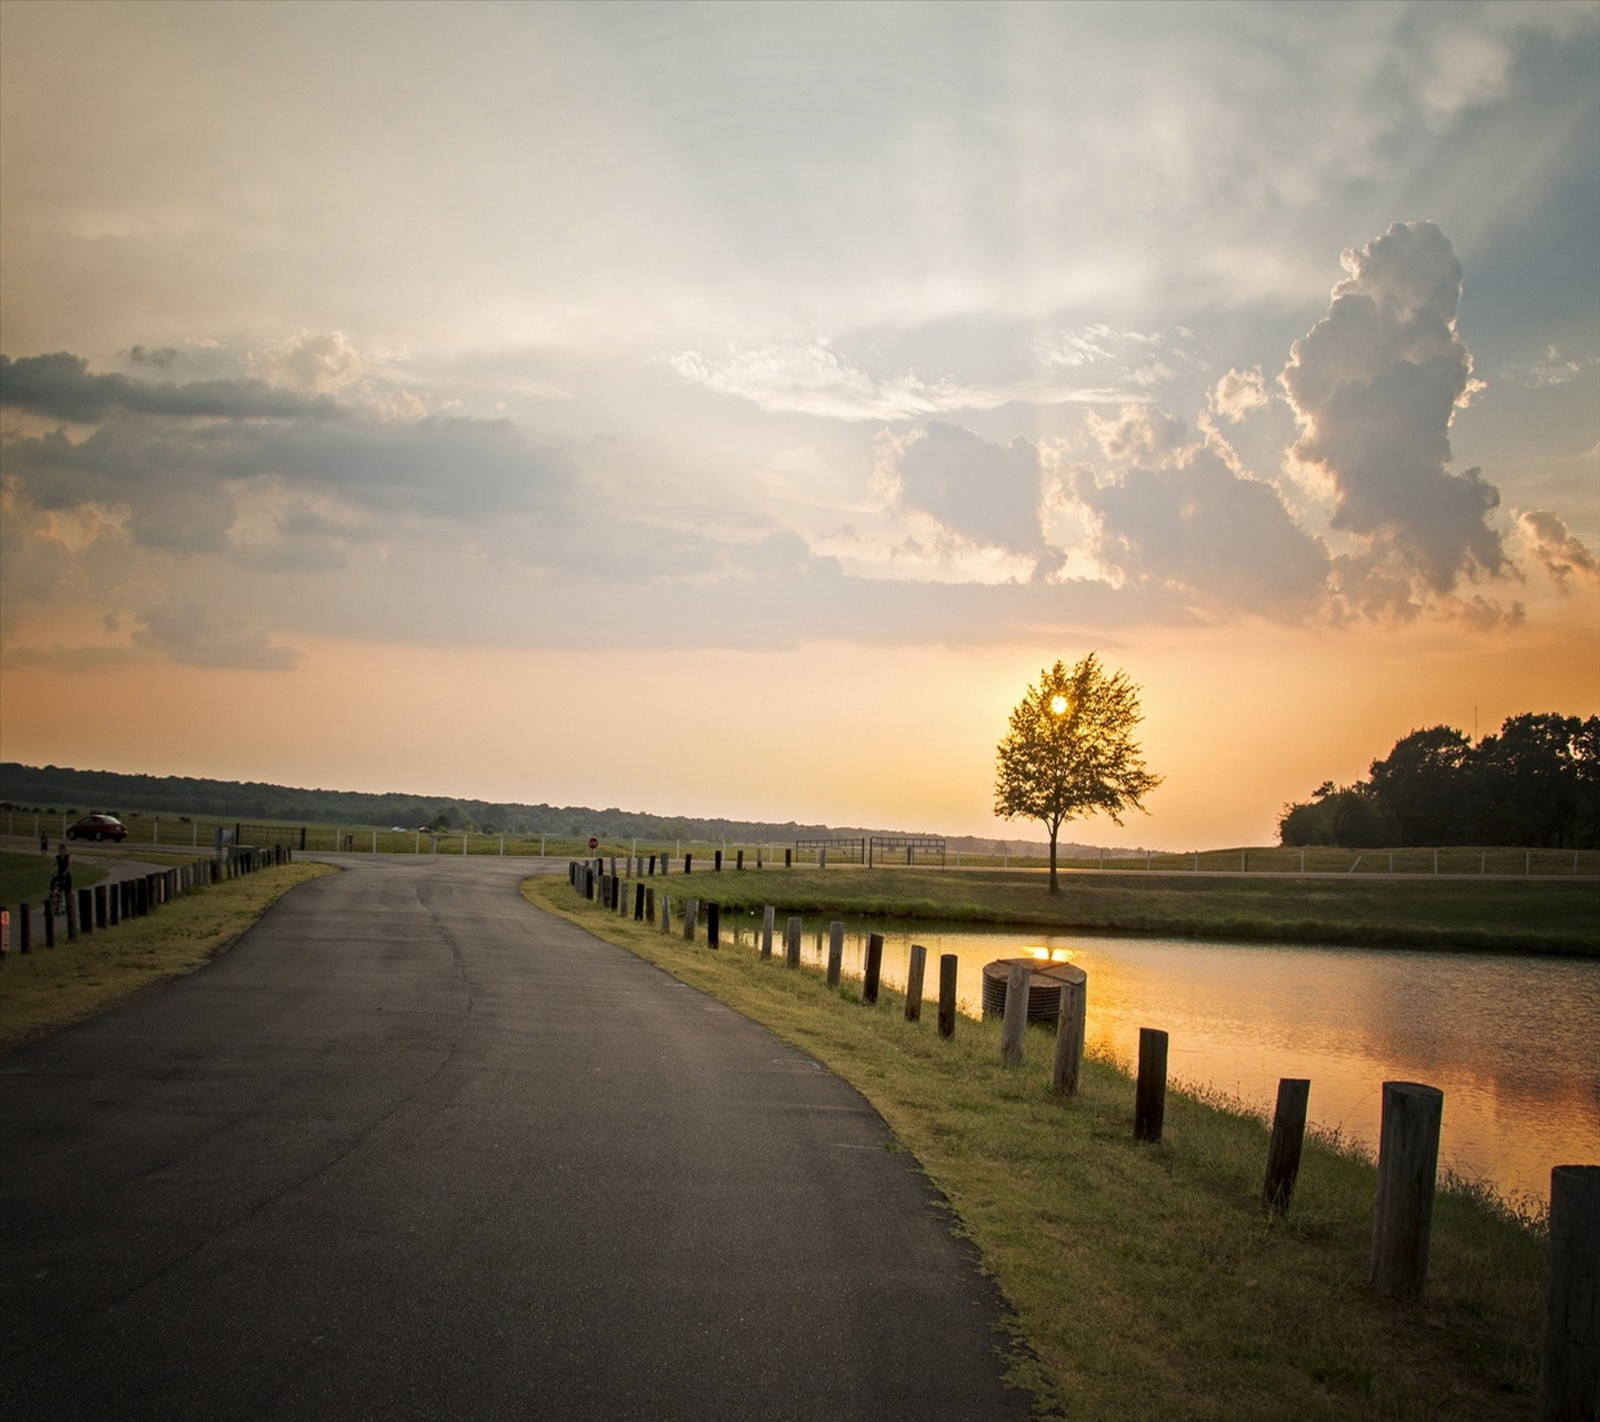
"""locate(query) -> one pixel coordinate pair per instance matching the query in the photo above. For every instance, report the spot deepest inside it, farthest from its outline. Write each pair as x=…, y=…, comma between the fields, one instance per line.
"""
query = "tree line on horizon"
x=1535, y=784
x=34, y=787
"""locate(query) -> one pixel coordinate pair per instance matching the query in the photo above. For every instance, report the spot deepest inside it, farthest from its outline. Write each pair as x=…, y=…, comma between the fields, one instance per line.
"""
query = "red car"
x=98, y=827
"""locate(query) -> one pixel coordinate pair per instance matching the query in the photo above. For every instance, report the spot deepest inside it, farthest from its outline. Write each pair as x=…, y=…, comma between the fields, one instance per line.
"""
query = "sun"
x=1058, y=705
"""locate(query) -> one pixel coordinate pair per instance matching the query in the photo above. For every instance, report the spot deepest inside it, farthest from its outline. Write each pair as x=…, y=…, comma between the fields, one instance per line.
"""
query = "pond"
x=1512, y=1041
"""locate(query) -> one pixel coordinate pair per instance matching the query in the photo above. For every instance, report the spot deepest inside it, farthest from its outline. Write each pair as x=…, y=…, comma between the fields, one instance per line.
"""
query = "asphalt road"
x=413, y=1149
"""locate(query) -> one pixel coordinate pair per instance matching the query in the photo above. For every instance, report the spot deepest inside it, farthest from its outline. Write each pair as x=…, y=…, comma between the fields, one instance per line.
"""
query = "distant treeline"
x=1536, y=783
x=25, y=787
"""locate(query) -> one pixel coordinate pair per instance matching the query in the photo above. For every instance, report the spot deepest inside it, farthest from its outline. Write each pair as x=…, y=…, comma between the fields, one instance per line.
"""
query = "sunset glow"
x=728, y=410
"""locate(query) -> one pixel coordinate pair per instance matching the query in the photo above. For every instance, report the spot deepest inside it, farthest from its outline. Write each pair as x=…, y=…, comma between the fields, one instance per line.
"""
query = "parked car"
x=98, y=827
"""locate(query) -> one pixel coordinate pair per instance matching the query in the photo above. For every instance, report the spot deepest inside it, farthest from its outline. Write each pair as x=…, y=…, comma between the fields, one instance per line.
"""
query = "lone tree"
x=1070, y=751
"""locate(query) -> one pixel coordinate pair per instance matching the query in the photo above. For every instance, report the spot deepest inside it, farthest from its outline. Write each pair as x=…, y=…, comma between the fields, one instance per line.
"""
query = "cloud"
x=178, y=458
x=60, y=387
x=186, y=632
x=1237, y=394
x=1552, y=368
x=1191, y=524
x=1559, y=552
x=983, y=492
x=1374, y=386
x=814, y=379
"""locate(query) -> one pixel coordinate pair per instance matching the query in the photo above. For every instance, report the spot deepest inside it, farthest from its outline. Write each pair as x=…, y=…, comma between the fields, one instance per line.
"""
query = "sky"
x=729, y=409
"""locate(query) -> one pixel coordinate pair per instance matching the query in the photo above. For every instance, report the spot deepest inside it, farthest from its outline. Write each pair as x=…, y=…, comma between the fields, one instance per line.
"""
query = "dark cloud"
x=1226, y=542
x=1374, y=385
x=986, y=493
x=60, y=387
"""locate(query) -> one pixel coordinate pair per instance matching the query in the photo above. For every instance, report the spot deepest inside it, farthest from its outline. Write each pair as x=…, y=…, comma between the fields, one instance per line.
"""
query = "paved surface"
x=415, y=1150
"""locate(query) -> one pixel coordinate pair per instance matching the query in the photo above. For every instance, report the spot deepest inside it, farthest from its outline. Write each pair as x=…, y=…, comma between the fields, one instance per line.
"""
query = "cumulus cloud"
x=1374, y=386
x=983, y=492
x=1185, y=520
x=1237, y=394
x=188, y=632
x=1558, y=551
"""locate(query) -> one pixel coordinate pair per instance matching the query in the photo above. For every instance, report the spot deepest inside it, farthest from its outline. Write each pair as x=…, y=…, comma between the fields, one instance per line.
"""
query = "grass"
x=1147, y=1281
x=53, y=987
x=1546, y=916
x=25, y=878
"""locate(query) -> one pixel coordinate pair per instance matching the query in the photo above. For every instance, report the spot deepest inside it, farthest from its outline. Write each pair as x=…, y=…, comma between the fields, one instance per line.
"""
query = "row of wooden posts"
x=105, y=906
x=1408, y=1148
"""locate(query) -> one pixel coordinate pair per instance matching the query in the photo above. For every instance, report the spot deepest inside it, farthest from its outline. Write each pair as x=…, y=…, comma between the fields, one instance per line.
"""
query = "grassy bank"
x=53, y=987
x=1544, y=916
x=1147, y=1280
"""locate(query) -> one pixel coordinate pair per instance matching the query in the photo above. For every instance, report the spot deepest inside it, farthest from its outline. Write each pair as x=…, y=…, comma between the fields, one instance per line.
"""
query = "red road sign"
x=593, y=842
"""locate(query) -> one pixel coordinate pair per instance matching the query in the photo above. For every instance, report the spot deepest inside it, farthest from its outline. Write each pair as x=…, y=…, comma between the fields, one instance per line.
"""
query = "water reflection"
x=1512, y=1042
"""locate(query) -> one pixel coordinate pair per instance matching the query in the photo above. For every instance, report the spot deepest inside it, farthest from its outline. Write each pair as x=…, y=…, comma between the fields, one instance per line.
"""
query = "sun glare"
x=1058, y=704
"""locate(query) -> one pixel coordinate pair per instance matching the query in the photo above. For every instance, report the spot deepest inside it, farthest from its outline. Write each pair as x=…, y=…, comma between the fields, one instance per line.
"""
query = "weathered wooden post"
x=25, y=927
x=652, y=866
x=638, y=901
x=788, y=859
x=1408, y=1163
x=49, y=926
x=822, y=857
x=666, y=913
x=650, y=905
x=716, y=860
x=791, y=941
x=1014, y=1025
x=835, y=953
x=768, y=917
x=665, y=857
x=948, y=964
x=691, y=912
x=713, y=923
x=1071, y=1010
x=1569, y=1379
x=1150, y=1097
x=100, y=909
x=688, y=863
x=1288, y=1137
x=86, y=911
x=915, y=972
x=738, y=859
x=71, y=901
x=869, y=984
x=113, y=900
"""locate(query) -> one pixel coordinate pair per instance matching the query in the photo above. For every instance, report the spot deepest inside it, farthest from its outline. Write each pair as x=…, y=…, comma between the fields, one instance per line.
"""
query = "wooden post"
x=1067, y=1069
x=85, y=911
x=738, y=859
x=915, y=972
x=1569, y=1380
x=49, y=926
x=1408, y=1162
x=948, y=964
x=100, y=910
x=1150, y=1099
x=72, y=915
x=716, y=860
x=869, y=984
x=650, y=905
x=688, y=863
x=791, y=941
x=1014, y=1025
x=713, y=923
x=1288, y=1136
x=666, y=912
x=835, y=953
x=768, y=916
x=25, y=927
x=638, y=901
x=114, y=900
x=788, y=859
x=691, y=912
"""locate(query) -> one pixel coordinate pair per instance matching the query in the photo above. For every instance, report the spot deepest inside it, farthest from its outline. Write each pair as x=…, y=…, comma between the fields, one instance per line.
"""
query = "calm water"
x=1514, y=1043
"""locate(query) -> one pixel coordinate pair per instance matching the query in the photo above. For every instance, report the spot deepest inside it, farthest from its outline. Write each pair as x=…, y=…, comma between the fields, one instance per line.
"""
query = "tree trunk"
x=1055, y=833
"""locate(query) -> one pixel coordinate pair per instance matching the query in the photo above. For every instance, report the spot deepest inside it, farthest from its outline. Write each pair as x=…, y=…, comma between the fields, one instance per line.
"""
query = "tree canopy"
x=1070, y=752
x=1535, y=783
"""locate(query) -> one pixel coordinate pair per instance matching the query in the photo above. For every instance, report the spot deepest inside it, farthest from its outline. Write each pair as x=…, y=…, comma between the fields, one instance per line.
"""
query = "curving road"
x=414, y=1150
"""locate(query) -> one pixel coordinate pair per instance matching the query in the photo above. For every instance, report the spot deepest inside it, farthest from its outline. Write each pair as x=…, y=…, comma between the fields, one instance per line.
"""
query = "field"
x=1478, y=913
x=1147, y=1280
